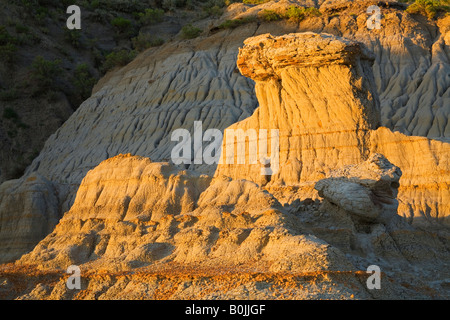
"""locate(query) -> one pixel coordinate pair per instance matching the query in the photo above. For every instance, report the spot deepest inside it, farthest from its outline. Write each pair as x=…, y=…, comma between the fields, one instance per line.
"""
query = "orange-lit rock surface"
x=318, y=91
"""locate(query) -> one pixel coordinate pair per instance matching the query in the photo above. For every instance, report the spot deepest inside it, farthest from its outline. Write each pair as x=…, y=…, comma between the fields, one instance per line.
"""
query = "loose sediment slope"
x=130, y=212
x=237, y=241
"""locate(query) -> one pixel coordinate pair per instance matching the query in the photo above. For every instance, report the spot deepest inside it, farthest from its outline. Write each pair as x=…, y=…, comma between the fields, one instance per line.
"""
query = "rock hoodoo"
x=318, y=91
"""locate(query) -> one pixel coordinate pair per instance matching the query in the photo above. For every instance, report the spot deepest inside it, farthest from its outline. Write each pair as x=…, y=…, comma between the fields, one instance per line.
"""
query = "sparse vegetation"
x=300, y=13
x=10, y=113
x=293, y=13
x=231, y=24
x=73, y=37
x=118, y=59
x=190, y=32
x=122, y=25
x=255, y=1
x=9, y=94
x=144, y=41
x=83, y=81
x=8, y=53
x=269, y=15
x=151, y=16
x=8, y=47
x=429, y=8
x=45, y=73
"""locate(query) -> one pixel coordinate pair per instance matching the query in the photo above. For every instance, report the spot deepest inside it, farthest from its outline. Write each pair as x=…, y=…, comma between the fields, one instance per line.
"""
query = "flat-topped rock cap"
x=264, y=56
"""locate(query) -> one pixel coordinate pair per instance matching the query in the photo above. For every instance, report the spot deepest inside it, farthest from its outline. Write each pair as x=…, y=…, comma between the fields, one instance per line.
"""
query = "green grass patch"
x=300, y=13
x=269, y=15
x=429, y=8
x=231, y=24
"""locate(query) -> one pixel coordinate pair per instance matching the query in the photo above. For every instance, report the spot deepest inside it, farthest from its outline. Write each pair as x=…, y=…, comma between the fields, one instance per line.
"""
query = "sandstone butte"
x=350, y=191
x=318, y=91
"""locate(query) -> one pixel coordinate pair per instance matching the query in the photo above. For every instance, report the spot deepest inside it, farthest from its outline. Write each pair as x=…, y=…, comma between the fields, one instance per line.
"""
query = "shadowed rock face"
x=36, y=199
x=318, y=91
x=367, y=191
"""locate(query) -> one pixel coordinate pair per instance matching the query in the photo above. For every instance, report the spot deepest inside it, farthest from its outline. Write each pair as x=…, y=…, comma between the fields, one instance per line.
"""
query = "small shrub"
x=269, y=15
x=83, y=81
x=22, y=125
x=118, y=59
x=190, y=32
x=213, y=11
x=123, y=25
x=9, y=95
x=8, y=53
x=12, y=133
x=255, y=1
x=299, y=13
x=27, y=39
x=126, y=6
x=151, y=16
x=429, y=8
x=41, y=15
x=5, y=37
x=231, y=24
x=9, y=113
x=45, y=73
x=145, y=40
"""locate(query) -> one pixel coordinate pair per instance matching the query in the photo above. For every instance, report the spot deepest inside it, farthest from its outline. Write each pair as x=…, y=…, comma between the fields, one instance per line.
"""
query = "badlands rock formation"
x=238, y=241
x=37, y=200
x=135, y=109
x=153, y=220
x=367, y=191
x=318, y=91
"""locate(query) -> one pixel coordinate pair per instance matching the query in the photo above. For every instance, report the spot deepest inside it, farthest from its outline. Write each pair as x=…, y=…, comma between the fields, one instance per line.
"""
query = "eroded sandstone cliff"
x=132, y=213
x=318, y=91
x=238, y=241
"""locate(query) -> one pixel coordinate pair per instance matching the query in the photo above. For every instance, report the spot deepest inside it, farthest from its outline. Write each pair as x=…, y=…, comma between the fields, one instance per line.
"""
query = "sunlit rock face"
x=318, y=91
